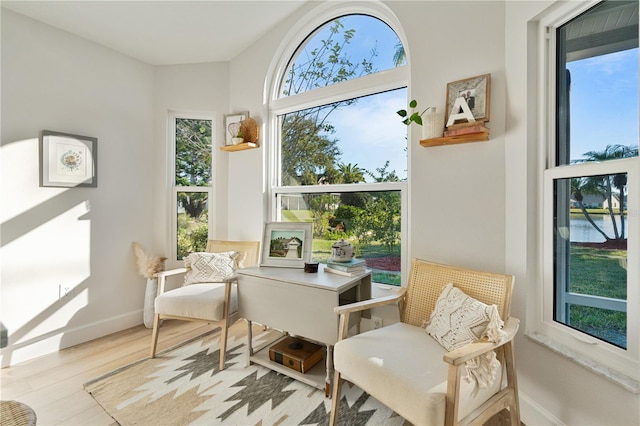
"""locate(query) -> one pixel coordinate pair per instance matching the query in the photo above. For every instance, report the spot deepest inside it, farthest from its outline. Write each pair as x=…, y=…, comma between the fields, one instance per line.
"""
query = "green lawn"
x=599, y=273
x=296, y=216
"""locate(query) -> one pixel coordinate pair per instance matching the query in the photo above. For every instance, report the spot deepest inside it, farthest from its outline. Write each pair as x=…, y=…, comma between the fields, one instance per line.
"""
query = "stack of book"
x=349, y=269
x=457, y=130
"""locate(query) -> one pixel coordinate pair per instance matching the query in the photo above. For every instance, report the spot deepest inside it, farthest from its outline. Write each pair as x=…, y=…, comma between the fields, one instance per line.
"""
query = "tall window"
x=592, y=184
x=192, y=190
x=341, y=160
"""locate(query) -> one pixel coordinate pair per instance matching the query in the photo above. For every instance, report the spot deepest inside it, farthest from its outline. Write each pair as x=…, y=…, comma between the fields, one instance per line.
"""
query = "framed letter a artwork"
x=68, y=160
x=475, y=92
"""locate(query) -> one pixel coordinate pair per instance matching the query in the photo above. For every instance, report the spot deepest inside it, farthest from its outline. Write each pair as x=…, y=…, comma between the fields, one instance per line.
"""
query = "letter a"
x=465, y=114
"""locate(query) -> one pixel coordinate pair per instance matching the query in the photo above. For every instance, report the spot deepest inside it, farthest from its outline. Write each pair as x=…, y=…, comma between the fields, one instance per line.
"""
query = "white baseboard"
x=533, y=414
x=64, y=338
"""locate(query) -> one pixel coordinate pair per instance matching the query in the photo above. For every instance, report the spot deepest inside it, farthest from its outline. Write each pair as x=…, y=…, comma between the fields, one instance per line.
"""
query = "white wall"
x=79, y=238
x=457, y=191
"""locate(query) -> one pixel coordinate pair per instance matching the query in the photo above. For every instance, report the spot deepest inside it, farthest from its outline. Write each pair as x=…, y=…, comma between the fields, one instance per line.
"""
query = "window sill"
x=628, y=383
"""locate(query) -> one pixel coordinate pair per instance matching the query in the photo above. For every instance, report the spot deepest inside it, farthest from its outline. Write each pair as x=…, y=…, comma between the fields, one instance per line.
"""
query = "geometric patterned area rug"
x=184, y=386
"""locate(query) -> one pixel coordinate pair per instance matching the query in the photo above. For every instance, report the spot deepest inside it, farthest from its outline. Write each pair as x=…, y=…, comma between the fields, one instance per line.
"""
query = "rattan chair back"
x=250, y=250
x=427, y=279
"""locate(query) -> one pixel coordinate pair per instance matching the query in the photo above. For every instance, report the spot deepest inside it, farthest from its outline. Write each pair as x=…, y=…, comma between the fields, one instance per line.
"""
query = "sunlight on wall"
x=41, y=266
x=20, y=165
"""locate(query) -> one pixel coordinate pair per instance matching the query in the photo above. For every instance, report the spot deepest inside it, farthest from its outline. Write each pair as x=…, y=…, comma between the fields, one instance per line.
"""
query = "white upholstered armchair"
x=408, y=367
x=209, y=292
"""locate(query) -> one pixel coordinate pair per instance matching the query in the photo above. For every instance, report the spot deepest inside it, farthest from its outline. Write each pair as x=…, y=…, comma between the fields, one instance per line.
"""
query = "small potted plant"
x=434, y=125
x=415, y=116
x=238, y=138
x=236, y=134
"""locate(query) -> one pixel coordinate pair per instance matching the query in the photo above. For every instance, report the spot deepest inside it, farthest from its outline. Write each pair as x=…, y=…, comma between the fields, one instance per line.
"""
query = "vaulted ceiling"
x=164, y=32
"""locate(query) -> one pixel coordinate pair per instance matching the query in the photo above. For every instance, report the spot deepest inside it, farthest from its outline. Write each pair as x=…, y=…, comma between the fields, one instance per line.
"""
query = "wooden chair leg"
x=335, y=399
x=453, y=396
x=154, y=335
x=512, y=383
x=223, y=343
x=225, y=324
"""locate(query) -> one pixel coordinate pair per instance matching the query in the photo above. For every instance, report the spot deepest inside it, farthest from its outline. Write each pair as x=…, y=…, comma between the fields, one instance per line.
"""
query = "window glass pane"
x=343, y=49
x=369, y=220
x=345, y=142
x=590, y=252
x=192, y=222
x=597, y=83
x=193, y=152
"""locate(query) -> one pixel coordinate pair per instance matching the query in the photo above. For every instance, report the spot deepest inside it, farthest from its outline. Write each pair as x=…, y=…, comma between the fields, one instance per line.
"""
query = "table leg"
x=328, y=378
x=249, y=345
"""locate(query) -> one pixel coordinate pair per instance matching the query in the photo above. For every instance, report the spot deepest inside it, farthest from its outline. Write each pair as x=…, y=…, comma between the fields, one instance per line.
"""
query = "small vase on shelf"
x=432, y=124
x=237, y=141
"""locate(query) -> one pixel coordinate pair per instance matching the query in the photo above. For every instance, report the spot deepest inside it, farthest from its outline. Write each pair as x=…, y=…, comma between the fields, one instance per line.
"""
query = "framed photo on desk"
x=287, y=244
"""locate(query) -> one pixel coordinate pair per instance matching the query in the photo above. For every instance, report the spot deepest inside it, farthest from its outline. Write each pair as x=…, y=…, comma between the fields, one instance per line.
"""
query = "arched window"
x=339, y=152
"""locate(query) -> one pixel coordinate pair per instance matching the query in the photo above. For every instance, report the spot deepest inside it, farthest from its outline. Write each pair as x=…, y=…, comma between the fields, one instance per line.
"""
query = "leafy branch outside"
x=311, y=156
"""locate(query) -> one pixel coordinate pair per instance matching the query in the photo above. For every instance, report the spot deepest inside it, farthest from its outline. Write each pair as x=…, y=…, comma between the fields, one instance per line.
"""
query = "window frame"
x=390, y=79
x=172, y=116
x=622, y=366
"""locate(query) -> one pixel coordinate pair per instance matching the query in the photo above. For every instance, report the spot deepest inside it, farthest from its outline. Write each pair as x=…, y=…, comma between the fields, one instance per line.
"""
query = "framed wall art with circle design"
x=68, y=160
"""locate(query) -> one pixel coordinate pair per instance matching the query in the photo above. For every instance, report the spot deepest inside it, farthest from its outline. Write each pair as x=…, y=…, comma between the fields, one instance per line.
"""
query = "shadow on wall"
x=46, y=257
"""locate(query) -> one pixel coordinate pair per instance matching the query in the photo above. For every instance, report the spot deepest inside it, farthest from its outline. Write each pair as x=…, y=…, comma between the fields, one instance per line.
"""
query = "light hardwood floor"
x=53, y=384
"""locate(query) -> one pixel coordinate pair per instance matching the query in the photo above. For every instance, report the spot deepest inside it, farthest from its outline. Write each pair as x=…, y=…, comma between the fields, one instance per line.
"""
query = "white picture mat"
x=291, y=232
x=232, y=118
x=68, y=160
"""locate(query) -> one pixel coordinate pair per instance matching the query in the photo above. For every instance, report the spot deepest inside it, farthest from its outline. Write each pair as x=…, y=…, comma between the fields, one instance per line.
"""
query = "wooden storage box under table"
x=296, y=353
x=300, y=304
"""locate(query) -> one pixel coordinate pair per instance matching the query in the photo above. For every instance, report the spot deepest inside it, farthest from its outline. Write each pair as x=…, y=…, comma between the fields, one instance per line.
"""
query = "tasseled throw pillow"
x=209, y=267
x=459, y=319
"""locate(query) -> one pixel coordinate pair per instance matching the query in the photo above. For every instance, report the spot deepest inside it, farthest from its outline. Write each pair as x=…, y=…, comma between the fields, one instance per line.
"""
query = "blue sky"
x=604, y=102
x=370, y=132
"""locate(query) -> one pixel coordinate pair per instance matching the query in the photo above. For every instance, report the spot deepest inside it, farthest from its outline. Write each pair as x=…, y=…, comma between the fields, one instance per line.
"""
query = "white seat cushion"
x=202, y=301
x=402, y=367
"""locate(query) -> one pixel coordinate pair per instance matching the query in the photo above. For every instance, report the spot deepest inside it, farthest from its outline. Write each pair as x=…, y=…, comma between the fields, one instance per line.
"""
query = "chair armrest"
x=162, y=277
x=465, y=353
x=371, y=303
x=345, y=310
x=170, y=272
x=231, y=278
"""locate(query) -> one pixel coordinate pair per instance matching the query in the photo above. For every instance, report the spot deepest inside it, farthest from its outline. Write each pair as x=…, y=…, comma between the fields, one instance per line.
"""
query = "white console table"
x=299, y=304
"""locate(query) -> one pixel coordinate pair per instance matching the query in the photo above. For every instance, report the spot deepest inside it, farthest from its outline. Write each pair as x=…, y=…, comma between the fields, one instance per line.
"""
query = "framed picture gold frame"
x=476, y=91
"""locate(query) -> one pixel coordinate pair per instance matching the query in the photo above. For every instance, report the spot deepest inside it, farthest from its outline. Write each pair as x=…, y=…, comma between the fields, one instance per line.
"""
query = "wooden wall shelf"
x=239, y=147
x=451, y=140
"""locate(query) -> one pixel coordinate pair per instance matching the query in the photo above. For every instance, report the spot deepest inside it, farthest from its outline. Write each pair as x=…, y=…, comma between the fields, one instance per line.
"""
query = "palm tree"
x=400, y=55
x=577, y=186
x=351, y=173
x=604, y=184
